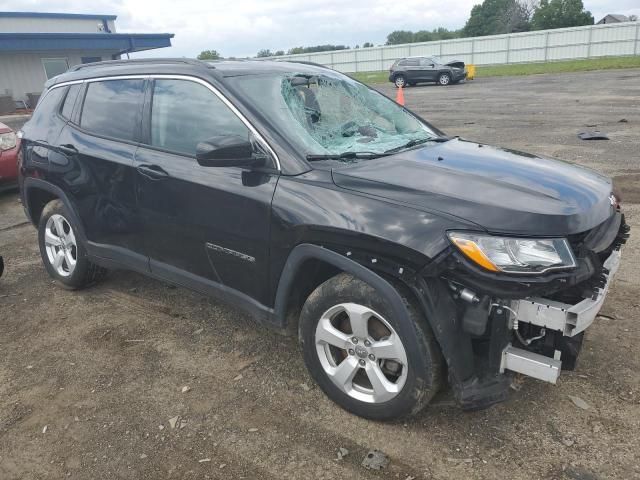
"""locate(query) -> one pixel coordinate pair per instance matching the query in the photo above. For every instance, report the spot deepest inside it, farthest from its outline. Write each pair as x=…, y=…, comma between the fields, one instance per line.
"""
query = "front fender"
x=304, y=252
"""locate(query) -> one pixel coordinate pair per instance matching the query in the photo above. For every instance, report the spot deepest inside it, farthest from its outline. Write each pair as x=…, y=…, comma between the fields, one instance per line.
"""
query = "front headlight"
x=7, y=141
x=514, y=255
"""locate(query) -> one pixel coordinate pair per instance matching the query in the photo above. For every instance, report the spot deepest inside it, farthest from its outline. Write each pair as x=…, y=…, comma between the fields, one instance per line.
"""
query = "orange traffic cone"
x=400, y=97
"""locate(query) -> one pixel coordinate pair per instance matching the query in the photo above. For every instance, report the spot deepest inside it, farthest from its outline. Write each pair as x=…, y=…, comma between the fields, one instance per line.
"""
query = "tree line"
x=491, y=17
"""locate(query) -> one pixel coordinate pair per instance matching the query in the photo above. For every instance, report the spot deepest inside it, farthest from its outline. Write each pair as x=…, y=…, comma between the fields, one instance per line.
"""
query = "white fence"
x=539, y=46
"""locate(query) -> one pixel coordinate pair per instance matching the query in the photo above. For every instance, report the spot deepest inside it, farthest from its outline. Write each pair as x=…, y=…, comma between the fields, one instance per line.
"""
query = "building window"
x=90, y=59
x=55, y=66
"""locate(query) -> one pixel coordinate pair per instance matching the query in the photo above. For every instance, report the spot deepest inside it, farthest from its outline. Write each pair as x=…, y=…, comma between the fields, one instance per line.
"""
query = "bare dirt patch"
x=629, y=187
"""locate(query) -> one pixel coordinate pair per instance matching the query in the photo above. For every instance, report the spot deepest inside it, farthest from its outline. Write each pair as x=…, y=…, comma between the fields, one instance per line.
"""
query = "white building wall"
x=24, y=73
x=539, y=46
x=51, y=25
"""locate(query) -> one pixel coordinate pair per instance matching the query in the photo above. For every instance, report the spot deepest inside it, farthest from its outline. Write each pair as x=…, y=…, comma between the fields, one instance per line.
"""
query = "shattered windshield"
x=330, y=114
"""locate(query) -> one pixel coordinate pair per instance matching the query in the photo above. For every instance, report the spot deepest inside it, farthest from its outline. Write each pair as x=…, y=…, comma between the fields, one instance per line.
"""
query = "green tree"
x=560, y=14
x=367, y=45
x=493, y=17
x=265, y=52
x=278, y=53
x=445, y=34
x=209, y=55
x=399, y=36
x=422, y=36
x=316, y=48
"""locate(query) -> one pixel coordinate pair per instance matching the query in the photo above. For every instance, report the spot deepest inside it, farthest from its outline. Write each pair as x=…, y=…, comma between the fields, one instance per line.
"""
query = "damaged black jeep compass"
x=403, y=259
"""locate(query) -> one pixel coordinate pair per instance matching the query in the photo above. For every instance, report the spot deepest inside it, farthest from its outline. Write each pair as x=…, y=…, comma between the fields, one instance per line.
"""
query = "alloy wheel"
x=60, y=244
x=400, y=81
x=361, y=353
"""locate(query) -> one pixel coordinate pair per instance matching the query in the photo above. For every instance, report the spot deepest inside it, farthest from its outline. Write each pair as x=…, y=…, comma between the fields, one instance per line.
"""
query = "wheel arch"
x=37, y=193
x=293, y=290
x=400, y=74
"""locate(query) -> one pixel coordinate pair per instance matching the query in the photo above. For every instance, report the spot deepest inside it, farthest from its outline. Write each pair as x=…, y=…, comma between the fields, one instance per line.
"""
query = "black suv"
x=409, y=71
x=403, y=259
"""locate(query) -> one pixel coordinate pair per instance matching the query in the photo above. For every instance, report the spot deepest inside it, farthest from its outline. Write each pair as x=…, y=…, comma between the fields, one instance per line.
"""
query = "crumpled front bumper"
x=459, y=75
x=570, y=320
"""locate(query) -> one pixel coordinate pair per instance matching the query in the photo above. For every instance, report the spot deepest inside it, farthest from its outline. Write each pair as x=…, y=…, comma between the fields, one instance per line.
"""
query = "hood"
x=502, y=191
x=455, y=64
x=4, y=128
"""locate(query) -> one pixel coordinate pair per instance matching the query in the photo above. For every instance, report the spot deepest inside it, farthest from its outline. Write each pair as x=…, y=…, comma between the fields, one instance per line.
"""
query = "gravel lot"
x=91, y=381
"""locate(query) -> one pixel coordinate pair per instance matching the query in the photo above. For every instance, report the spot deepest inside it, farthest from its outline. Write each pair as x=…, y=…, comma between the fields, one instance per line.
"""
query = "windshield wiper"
x=344, y=156
x=418, y=141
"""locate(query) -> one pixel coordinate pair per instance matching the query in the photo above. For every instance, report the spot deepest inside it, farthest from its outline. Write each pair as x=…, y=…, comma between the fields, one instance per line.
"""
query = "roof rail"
x=303, y=62
x=106, y=63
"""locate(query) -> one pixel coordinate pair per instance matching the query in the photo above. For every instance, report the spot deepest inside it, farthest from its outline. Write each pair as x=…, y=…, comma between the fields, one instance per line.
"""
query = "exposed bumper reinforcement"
x=530, y=364
x=568, y=319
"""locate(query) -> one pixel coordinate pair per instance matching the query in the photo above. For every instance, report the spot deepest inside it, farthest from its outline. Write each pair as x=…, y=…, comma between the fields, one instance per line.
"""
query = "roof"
x=231, y=68
x=116, y=42
x=217, y=69
x=615, y=16
x=79, y=16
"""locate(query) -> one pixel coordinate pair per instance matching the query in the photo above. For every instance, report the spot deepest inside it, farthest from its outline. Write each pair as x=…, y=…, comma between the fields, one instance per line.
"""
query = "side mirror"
x=227, y=151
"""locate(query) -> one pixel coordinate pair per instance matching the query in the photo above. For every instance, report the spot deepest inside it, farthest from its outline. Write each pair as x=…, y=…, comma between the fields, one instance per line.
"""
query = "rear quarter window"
x=49, y=102
x=70, y=101
x=46, y=108
x=112, y=108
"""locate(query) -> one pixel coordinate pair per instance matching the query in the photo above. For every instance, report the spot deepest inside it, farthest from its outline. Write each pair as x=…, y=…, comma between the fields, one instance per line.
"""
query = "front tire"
x=366, y=360
x=63, y=254
x=444, y=79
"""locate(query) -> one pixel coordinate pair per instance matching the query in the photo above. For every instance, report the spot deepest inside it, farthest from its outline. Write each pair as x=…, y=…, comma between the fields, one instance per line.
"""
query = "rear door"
x=96, y=168
x=203, y=226
x=411, y=67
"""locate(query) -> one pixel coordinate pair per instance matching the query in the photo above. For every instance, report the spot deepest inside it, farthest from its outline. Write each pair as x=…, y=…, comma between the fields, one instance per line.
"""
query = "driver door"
x=203, y=226
x=428, y=71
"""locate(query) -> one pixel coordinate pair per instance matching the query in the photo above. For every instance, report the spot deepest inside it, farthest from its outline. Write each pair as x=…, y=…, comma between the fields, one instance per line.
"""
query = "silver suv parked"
x=412, y=70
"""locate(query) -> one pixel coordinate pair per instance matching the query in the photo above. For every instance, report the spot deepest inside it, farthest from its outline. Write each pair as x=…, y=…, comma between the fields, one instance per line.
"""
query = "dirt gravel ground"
x=91, y=382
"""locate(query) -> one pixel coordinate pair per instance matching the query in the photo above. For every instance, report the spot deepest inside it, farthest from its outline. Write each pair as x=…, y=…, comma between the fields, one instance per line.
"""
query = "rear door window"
x=185, y=113
x=410, y=62
x=112, y=108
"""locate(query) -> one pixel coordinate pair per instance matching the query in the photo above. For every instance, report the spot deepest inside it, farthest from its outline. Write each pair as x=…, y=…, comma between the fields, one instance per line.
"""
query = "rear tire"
x=63, y=254
x=400, y=81
x=392, y=369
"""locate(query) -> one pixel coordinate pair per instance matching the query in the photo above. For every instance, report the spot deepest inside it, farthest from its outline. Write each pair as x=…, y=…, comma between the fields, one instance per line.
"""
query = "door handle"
x=152, y=172
x=67, y=149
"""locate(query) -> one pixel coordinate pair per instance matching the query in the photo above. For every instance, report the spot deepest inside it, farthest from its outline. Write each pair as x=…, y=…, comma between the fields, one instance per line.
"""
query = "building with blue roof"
x=37, y=46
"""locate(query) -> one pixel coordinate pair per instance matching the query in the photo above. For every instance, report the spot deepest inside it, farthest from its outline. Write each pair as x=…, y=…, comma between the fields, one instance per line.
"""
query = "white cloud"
x=242, y=27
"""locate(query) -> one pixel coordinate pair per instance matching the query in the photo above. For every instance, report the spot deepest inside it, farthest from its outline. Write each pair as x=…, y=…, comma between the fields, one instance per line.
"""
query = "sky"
x=242, y=27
